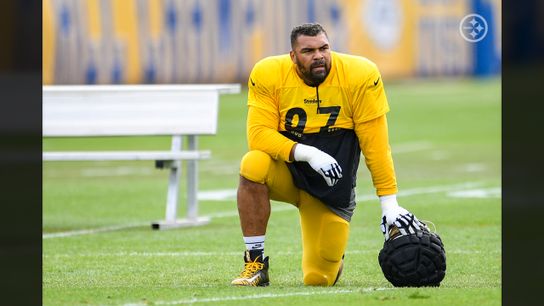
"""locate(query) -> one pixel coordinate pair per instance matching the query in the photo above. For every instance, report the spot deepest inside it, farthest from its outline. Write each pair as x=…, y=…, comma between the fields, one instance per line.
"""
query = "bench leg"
x=173, y=192
x=172, y=200
x=192, y=183
x=192, y=187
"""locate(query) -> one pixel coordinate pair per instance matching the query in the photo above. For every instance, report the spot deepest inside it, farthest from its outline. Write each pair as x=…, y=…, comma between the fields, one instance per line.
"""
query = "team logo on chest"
x=312, y=101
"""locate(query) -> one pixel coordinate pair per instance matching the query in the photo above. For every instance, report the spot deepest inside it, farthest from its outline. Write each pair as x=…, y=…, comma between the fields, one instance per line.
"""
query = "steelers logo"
x=473, y=28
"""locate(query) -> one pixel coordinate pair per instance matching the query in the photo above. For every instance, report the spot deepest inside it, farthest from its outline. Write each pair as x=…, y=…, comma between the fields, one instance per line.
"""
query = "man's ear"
x=292, y=54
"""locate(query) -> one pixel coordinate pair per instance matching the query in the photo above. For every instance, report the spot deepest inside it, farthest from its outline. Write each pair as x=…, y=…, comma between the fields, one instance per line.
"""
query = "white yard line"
x=217, y=195
x=410, y=147
x=92, y=231
x=102, y=169
x=360, y=198
x=116, y=171
x=237, y=253
x=424, y=190
x=260, y=296
x=482, y=193
x=230, y=194
x=141, y=224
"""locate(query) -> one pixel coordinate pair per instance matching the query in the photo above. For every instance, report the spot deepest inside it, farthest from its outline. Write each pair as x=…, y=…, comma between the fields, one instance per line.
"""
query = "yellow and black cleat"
x=255, y=272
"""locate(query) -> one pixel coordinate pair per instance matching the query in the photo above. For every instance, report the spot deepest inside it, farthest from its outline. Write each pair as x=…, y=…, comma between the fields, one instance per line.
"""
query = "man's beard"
x=311, y=78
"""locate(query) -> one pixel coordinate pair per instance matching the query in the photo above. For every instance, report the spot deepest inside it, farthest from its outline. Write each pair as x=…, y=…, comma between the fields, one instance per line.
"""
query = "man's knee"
x=255, y=165
x=316, y=278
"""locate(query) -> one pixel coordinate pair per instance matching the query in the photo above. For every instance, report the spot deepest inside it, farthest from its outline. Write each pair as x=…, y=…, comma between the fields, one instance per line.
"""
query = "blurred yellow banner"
x=216, y=41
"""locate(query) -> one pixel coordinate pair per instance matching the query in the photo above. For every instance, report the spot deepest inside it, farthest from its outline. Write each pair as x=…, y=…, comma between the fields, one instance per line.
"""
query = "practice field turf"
x=99, y=249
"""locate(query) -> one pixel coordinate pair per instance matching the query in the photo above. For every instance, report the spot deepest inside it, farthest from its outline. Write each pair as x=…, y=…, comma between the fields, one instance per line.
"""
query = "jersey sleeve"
x=370, y=106
x=368, y=98
x=374, y=143
x=261, y=87
x=263, y=115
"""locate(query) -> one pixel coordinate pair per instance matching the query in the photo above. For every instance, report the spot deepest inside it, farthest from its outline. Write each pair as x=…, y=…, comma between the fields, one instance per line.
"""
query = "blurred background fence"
x=218, y=41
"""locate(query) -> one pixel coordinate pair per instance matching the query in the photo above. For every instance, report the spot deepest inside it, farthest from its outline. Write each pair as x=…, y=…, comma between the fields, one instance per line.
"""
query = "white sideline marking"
x=230, y=194
x=215, y=167
x=259, y=296
x=410, y=147
x=92, y=231
x=360, y=198
x=217, y=195
x=237, y=253
x=440, y=155
x=424, y=190
x=140, y=224
x=116, y=171
x=474, y=167
x=105, y=171
x=477, y=193
x=435, y=189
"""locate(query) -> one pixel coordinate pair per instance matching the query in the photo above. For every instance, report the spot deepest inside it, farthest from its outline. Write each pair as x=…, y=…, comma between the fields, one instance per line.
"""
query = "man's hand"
x=393, y=214
x=320, y=161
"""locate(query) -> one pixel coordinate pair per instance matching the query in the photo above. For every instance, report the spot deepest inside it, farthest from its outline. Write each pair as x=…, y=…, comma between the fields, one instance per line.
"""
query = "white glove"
x=320, y=161
x=392, y=213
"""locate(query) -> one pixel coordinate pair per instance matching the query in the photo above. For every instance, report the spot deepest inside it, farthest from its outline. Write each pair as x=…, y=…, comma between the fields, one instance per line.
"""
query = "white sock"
x=254, y=242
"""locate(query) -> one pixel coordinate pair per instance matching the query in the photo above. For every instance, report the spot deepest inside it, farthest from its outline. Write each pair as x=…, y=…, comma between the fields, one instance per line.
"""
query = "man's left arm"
x=369, y=105
x=374, y=142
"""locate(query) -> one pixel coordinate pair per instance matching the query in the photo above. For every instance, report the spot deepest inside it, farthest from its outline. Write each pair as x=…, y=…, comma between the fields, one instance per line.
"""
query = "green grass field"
x=446, y=142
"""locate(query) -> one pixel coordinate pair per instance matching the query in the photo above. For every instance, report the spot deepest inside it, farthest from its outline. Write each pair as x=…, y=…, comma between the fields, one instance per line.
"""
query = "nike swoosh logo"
x=375, y=82
x=254, y=280
x=252, y=83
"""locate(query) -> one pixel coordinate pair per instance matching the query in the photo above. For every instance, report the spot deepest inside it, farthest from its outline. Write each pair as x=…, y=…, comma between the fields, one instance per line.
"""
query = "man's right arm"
x=263, y=135
x=263, y=118
x=263, y=123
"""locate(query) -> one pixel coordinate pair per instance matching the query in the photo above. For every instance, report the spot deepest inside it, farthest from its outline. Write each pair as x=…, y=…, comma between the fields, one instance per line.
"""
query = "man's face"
x=312, y=55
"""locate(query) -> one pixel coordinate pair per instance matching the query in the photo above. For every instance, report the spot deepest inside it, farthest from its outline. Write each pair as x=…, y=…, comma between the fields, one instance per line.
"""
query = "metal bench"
x=140, y=110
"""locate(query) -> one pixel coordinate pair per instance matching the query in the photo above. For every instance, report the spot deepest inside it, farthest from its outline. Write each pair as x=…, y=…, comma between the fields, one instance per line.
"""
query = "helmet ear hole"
x=414, y=260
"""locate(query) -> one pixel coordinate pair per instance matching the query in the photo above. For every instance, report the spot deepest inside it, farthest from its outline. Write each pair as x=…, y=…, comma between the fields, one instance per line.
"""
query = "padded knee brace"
x=325, y=237
x=323, y=268
x=333, y=240
x=254, y=166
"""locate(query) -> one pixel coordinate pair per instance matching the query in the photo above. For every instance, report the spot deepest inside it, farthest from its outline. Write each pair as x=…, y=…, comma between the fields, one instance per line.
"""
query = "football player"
x=310, y=114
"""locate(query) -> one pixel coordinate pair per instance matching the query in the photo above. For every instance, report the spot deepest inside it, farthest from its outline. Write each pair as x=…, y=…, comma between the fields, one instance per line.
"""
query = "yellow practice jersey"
x=275, y=86
x=281, y=104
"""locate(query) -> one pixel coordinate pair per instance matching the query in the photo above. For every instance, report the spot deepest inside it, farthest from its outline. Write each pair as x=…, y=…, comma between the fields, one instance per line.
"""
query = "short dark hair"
x=306, y=29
